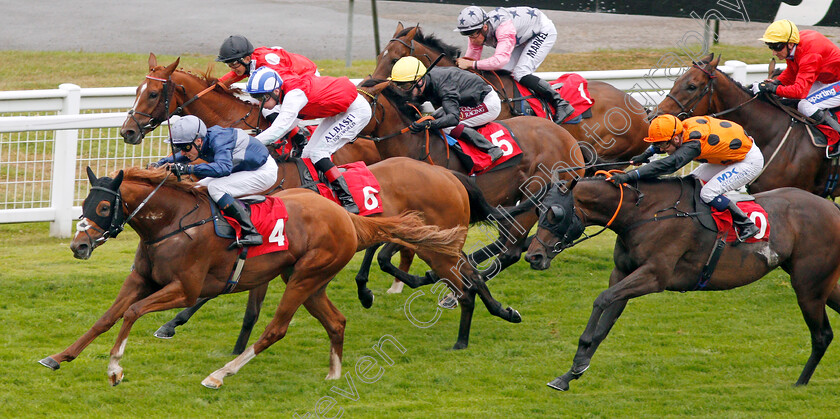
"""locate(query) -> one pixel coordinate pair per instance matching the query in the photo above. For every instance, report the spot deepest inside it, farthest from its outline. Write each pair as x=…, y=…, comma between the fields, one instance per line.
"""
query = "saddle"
x=704, y=211
x=821, y=135
x=221, y=225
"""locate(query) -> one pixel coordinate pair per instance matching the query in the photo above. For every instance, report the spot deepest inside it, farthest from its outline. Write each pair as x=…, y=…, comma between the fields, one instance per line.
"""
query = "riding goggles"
x=184, y=147
x=471, y=33
x=776, y=46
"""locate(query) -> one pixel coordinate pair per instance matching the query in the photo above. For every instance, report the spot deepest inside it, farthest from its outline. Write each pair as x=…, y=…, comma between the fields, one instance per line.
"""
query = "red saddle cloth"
x=723, y=219
x=575, y=89
x=362, y=184
x=498, y=135
x=831, y=136
x=269, y=218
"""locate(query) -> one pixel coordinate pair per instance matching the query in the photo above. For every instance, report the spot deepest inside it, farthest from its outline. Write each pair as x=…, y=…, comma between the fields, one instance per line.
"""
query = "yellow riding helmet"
x=663, y=127
x=407, y=69
x=783, y=31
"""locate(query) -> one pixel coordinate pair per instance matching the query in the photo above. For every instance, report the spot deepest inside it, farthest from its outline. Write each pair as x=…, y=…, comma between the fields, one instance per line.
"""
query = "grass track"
x=729, y=354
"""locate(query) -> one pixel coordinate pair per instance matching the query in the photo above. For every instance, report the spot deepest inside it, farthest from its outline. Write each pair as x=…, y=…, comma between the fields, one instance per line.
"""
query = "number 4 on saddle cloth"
x=572, y=87
x=269, y=216
x=476, y=161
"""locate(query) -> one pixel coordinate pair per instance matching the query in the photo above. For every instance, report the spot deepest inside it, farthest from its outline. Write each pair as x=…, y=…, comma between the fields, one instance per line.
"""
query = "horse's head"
x=102, y=215
x=559, y=226
x=412, y=42
x=693, y=92
x=153, y=102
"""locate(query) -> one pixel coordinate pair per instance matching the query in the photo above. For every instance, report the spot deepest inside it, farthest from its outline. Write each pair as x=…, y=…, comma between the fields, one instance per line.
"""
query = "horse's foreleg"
x=515, y=242
x=406, y=257
x=297, y=291
x=167, y=331
x=252, y=313
x=413, y=281
x=605, y=311
x=133, y=289
x=320, y=307
x=172, y=295
x=365, y=294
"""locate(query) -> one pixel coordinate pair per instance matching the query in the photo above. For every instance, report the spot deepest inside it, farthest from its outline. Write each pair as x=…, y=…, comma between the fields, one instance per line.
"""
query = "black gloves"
x=180, y=168
x=767, y=87
x=640, y=159
x=620, y=178
x=416, y=127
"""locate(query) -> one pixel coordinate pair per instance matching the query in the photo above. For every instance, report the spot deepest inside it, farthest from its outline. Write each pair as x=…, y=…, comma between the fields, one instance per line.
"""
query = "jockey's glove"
x=620, y=178
x=417, y=126
x=152, y=165
x=180, y=168
x=766, y=87
x=644, y=157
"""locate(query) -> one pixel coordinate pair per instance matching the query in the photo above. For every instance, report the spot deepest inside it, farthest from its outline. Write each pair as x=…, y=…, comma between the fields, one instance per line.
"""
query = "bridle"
x=709, y=89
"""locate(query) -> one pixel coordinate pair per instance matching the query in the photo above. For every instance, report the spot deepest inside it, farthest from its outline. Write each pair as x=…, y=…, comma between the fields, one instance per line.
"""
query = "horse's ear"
x=171, y=67
x=410, y=35
x=91, y=175
x=377, y=88
x=118, y=179
x=152, y=61
x=400, y=28
x=714, y=63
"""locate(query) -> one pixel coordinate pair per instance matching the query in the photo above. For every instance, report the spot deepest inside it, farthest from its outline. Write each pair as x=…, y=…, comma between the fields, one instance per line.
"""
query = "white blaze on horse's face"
x=83, y=225
x=139, y=95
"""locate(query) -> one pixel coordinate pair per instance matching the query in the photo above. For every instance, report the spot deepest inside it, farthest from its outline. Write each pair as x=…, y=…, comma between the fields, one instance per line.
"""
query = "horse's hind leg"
x=813, y=310
x=413, y=281
x=252, y=313
x=365, y=294
x=320, y=307
x=167, y=331
x=406, y=257
x=834, y=299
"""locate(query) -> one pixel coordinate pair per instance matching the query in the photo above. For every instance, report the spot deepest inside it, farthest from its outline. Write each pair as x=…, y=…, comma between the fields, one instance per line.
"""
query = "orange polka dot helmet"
x=663, y=127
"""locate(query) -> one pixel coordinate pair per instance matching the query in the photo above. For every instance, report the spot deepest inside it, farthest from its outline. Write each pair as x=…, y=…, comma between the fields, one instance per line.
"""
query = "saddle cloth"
x=269, y=218
x=496, y=133
x=362, y=184
x=832, y=137
x=574, y=88
x=721, y=221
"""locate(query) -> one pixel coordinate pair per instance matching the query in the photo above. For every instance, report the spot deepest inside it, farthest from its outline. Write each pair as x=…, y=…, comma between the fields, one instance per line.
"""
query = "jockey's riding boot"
x=822, y=116
x=482, y=143
x=746, y=228
x=562, y=108
x=234, y=209
x=342, y=192
x=337, y=183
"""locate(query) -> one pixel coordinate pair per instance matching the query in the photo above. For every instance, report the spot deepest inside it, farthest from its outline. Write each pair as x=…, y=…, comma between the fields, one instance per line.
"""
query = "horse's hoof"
x=459, y=345
x=396, y=288
x=211, y=382
x=50, y=363
x=366, y=298
x=449, y=302
x=115, y=378
x=165, y=332
x=558, y=384
x=515, y=317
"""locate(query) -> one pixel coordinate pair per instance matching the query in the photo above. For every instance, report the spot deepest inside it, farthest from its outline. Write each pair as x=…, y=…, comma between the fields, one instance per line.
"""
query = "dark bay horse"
x=167, y=91
x=669, y=254
x=179, y=259
x=405, y=185
x=545, y=146
x=614, y=132
x=790, y=158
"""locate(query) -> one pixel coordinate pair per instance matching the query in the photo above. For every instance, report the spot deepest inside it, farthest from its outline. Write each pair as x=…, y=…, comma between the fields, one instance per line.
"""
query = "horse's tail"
x=481, y=210
x=409, y=229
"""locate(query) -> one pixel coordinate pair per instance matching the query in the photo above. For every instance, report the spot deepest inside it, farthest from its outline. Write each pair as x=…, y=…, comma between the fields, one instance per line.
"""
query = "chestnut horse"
x=790, y=158
x=167, y=91
x=545, y=146
x=405, y=185
x=804, y=241
x=180, y=258
x=614, y=132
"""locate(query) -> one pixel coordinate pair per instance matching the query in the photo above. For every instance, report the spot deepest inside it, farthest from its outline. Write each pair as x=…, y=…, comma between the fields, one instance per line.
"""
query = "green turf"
x=724, y=354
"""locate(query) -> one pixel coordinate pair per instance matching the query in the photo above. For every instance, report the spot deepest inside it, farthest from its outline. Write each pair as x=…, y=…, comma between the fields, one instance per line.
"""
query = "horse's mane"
x=433, y=42
x=157, y=175
x=205, y=78
x=402, y=100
